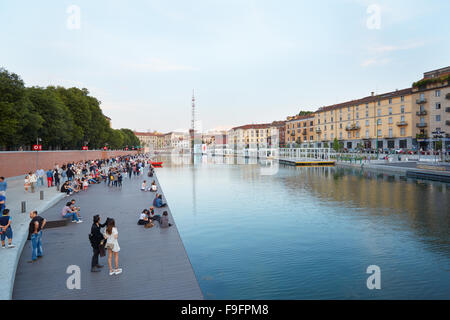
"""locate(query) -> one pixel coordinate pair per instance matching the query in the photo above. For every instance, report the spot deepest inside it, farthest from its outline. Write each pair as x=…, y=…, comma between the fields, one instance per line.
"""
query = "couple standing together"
x=100, y=242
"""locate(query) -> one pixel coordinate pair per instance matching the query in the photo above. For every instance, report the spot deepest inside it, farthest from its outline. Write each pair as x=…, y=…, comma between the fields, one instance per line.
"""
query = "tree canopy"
x=64, y=118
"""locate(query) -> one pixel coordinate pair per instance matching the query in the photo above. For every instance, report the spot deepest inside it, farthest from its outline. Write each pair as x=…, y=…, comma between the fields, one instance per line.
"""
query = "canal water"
x=308, y=233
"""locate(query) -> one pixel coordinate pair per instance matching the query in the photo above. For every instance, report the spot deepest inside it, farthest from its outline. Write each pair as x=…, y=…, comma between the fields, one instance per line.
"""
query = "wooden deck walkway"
x=307, y=162
x=154, y=261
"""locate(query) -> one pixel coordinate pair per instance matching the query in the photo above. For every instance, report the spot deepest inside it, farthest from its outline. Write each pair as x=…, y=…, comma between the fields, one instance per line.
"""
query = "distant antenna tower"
x=193, y=112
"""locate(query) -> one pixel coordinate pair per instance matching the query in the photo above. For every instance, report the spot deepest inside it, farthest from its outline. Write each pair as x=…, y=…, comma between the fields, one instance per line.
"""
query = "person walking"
x=57, y=178
x=97, y=239
x=37, y=223
x=112, y=244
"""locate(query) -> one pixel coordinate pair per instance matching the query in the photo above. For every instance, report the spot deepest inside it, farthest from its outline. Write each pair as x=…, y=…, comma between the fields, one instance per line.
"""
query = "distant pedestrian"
x=5, y=229
x=49, y=174
x=97, y=240
x=3, y=185
x=33, y=181
x=40, y=177
x=2, y=203
x=112, y=244
x=37, y=223
x=26, y=183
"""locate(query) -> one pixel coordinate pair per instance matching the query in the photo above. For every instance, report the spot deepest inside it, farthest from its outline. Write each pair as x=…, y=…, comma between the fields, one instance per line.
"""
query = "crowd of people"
x=76, y=177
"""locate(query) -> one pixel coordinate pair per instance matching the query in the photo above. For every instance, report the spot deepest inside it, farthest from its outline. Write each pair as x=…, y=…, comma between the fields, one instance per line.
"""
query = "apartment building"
x=254, y=136
x=431, y=98
x=178, y=140
x=382, y=121
x=300, y=131
x=150, y=140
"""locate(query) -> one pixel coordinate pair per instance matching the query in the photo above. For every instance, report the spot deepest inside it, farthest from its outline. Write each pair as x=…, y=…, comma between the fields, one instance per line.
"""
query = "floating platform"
x=307, y=163
x=442, y=176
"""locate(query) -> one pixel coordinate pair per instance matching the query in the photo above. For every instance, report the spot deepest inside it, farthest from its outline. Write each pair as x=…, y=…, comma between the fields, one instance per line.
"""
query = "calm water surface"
x=308, y=233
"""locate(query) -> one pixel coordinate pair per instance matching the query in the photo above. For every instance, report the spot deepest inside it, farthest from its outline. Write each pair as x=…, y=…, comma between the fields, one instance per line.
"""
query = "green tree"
x=18, y=121
x=336, y=146
x=57, y=131
x=305, y=113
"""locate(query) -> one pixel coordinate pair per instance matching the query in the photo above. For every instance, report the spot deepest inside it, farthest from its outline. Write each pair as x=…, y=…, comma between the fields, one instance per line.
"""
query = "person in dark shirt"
x=37, y=223
x=96, y=238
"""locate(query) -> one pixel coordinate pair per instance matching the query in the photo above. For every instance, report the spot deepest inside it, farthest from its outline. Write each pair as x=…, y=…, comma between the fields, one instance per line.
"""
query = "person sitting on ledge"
x=66, y=189
x=67, y=212
x=165, y=220
x=158, y=202
x=153, y=187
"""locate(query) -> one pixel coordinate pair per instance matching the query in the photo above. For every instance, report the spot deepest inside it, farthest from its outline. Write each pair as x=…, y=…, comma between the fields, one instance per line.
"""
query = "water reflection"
x=308, y=232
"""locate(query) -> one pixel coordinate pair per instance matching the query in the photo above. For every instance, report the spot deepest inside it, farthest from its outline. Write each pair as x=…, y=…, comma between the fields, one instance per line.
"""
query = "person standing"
x=26, y=183
x=33, y=180
x=2, y=203
x=56, y=177
x=97, y=239
x=40, y=177
x=3, y=186
x=112, y=244
x=5, y=224
x=37, y=223
x=49, y=178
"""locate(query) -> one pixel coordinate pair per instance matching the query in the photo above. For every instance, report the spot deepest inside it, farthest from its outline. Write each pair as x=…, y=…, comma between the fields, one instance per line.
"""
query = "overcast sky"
x=248, y=61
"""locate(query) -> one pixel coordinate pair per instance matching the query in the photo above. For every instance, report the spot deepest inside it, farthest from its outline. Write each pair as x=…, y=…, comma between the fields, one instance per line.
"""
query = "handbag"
x=109, y=245
x=101, y=250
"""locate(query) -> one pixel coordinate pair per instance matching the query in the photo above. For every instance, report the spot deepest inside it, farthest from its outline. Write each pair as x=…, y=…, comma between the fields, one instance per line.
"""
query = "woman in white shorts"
x=112, y=244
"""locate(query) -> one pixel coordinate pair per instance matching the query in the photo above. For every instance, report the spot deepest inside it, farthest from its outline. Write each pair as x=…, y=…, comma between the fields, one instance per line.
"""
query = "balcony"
x=421, y=113
x=402, y=123
x=421, y=125
x=318, y=130
x=421, y=101
x=352, y=127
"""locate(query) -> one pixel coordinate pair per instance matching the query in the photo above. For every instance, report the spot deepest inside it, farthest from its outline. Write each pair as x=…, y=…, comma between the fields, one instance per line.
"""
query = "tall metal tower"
x=193, y=113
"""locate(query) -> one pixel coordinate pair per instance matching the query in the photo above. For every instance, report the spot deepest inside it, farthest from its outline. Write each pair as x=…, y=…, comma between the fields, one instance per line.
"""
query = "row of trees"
x=64, y=118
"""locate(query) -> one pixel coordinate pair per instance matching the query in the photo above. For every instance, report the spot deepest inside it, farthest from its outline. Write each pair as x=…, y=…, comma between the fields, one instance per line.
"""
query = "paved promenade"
x=154, y=261
x=15, y=194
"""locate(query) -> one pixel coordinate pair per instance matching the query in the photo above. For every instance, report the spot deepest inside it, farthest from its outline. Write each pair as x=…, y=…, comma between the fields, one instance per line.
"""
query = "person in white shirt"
x=26, y=183
x=112, y=244
x=144, y=186
x=33, y=180
x=153, y=188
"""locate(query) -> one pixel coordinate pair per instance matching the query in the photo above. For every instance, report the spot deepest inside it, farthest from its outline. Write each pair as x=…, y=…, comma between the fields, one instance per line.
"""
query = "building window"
x=438, y=105
x=402, y=109
x=403, y=144
x=340, y=135
x=379, y=102
x=379, y=132
x=311, y=123
x=367, y=123
x=367, y=114
x=357, y=115
x=390, y=110
x=348, y=109
x=402, y=98
x=318, y=121
x=367, y=134
x=367, y=106
x=390, y=100
x=349, y=134
x=325, y=136
x=340, y=125
x=438, y=117
x=331, y=127
x=390, y=120
x=438, y=93
x=379, y=112
x=331, y=119
x=348, y=116
x=340, y=118
x=379, y=122
x=390, y=132
x=311, y=138
x=332, y=136
x=357, y=134
x=402, y=131
x=402, y=118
